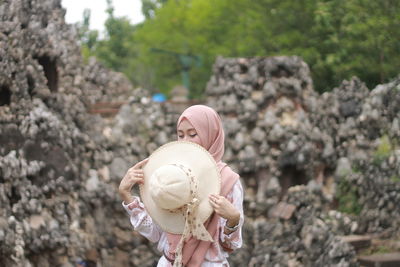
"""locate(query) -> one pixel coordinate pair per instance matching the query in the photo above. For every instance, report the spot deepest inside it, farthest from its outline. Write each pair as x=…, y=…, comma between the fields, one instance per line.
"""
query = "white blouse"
x=216, y=256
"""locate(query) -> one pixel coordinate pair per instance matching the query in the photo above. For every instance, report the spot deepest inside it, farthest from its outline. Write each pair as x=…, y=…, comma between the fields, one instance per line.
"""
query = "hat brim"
x=203, y=166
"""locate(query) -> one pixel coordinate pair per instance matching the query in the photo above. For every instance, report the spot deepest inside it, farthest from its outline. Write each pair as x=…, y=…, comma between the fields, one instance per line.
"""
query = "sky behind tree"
x=129, y=8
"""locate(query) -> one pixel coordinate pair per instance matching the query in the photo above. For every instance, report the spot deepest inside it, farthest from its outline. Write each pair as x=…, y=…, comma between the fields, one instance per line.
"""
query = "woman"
x=202, y=125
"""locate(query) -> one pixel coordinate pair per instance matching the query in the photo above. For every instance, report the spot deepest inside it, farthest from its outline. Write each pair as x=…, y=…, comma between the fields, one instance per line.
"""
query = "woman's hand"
x=225, y=209
x=133, y=176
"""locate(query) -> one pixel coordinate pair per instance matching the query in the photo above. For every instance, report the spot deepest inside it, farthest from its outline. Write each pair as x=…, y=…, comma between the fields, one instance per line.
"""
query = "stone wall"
x=340, y=150
x=57, y=197
x=281, y=133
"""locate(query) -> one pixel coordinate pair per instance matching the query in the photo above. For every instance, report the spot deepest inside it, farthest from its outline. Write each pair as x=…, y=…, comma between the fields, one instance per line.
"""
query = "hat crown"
x=170, y=187
x=184, y=175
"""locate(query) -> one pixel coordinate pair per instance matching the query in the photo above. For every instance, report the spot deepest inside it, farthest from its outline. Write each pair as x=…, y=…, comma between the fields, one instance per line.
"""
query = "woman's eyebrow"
x=190, y=129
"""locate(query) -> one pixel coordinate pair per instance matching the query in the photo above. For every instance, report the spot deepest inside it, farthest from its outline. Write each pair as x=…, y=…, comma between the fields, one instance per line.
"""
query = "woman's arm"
x=141, y=221
x=231, y=230
x=139, y=218
x=133, y=176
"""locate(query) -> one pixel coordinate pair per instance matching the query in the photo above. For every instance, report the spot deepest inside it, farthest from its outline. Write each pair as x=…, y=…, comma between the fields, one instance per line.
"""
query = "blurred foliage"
x=87, y=37
x=379, y=249
x=149, y=7
x=347, y=197
x=395, y=179
x=383, y=151
x=337, y=38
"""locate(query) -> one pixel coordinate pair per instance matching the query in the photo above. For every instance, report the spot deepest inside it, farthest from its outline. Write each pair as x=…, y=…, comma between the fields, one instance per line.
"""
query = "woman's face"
x=186, y=132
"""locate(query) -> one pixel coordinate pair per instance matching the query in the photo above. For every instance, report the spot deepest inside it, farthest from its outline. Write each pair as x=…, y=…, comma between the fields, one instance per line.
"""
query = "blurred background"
x=338, y=39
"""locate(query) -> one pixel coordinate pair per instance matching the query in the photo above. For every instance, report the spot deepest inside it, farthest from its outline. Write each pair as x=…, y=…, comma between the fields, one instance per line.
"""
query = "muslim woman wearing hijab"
x=200, y=227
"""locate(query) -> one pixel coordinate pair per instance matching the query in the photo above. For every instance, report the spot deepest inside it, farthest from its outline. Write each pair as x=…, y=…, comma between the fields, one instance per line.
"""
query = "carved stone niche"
x=5, y=95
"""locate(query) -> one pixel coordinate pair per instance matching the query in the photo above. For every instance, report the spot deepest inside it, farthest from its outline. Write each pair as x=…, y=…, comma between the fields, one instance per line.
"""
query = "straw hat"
x=178, y=179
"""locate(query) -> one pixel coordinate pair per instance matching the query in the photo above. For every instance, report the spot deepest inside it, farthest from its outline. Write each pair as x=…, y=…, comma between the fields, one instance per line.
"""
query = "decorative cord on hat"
x=193, y=224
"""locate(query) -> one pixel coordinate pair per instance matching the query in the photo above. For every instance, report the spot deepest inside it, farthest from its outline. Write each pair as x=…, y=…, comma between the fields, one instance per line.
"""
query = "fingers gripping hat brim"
x=204, y=168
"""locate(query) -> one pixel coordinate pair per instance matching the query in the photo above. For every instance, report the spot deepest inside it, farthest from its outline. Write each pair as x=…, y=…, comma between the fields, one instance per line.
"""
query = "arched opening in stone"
x=281, y=71
x=44, y=21
x=291, y=177
x=5, y=95
x=50, y=71
x=15, y=196
x=243, y=68
x=31, y=85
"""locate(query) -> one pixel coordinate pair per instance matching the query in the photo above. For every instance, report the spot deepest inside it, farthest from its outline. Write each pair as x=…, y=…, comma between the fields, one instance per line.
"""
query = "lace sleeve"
x=141, y=221
x=234, y=240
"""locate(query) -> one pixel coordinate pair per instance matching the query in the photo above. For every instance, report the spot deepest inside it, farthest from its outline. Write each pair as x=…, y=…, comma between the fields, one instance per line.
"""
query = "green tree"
x=116, y=49
x=337, y=38
x=358, y=38
x=149, y=7
x=87, y=37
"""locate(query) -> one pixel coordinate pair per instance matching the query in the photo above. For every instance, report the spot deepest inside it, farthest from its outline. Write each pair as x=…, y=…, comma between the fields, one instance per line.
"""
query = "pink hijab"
x=208, y=126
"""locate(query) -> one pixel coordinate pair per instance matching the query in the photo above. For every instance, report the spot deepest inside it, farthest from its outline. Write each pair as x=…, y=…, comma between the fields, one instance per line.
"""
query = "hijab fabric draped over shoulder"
x=208, y=126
